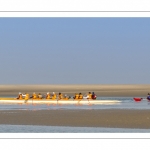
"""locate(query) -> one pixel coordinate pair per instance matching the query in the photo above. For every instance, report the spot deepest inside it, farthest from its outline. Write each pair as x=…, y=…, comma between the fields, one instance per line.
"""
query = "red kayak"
x=137, y=99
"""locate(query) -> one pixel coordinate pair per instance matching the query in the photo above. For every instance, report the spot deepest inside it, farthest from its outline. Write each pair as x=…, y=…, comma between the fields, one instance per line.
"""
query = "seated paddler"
x=40, y=96
x=60, y=96
x=34, y=96
x=89, y=96
x=66, y=97
x=76, y=96
x=80, y=96
x=48, y=96
x=148, y=96
x=26, y=96
x=54, y=96
x=19, y=96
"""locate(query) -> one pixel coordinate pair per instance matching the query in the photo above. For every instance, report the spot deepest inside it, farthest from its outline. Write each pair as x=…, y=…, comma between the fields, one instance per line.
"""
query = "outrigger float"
x=49, y=101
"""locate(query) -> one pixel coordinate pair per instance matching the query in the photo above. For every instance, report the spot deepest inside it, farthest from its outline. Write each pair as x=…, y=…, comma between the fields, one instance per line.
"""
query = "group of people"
x=35, y=96
x=54, y=96
x=88, y=96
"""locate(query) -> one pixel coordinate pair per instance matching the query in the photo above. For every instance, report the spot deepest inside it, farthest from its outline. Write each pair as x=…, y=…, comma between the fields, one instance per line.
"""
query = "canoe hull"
x=44, y=101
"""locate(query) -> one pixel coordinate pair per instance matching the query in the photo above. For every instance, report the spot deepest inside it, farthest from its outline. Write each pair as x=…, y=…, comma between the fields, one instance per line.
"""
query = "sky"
x=74, y=50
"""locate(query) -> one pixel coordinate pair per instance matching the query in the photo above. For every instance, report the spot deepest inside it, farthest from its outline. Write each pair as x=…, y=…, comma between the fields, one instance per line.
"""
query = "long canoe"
x=45, y=101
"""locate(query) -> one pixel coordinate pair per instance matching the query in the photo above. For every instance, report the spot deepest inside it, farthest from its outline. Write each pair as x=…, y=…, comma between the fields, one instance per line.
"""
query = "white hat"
x=47, y=92
x=19, y=92
x=53, y=92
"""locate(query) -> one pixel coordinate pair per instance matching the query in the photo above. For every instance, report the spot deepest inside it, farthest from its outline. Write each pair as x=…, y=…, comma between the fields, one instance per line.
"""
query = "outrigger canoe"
x=45, y=101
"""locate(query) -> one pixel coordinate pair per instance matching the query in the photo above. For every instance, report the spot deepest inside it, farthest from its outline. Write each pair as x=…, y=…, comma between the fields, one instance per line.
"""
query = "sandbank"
x=126, y=90
x=111, y=118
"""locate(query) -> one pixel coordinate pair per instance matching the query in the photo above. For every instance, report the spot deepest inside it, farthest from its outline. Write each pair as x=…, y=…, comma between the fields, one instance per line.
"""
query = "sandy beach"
x=100, y=90
x=78, y=118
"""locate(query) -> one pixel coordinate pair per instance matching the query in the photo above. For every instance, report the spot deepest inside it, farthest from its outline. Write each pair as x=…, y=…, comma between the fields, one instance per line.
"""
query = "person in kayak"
x=93, y=95
x=19, y=96
x=54, y=96
x=148, y=96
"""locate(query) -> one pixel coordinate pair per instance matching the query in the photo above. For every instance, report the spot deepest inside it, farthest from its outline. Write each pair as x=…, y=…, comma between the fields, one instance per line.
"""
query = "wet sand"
x=100, y=90
x=112, y=118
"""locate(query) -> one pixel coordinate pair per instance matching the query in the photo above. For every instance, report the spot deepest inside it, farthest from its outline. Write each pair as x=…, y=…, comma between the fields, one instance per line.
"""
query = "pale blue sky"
x=74, y=50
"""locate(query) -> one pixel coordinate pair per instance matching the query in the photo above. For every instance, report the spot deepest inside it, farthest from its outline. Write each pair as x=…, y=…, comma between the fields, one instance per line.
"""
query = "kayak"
x=137, y=99
x=45, y=101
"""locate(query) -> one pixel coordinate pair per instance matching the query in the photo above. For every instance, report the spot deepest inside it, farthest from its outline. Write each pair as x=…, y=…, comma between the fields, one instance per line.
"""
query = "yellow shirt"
x=20, y=96
x=27, y=96
x=81, y=96
x=89, y=96
x=76, y=96
x=54, y=96
x=48, y=96
x=60, y=96
x=34, y=96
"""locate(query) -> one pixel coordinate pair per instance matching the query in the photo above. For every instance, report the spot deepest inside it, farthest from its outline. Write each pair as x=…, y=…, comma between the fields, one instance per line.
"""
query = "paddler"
x=48, y=96
x=34, y=96
x=89, y=96
x=54, y=96
x=26, y=96
x=39, y=96
x=148, y=96
x=76, y=96
x=66, y=97
x=93, y=96
x=80, y=96
x=60, y=96
x=19, y=96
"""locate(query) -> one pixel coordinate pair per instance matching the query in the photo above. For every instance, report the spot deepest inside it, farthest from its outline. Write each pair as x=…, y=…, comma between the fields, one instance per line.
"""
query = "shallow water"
x=125, y=103
x=60, y=129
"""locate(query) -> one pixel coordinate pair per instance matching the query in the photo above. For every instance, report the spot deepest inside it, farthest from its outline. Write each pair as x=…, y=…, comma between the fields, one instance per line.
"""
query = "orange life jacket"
x=48, y=96
x=27, y=96
x=89, y=96
x=80, y=96
x=54, y=96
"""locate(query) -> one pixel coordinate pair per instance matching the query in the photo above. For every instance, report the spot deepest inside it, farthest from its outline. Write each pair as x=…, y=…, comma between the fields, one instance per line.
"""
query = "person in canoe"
x=54, y=96
x=19, y=96
x=34, y=96
x=93, y=96
x=148, y=96
x=76, y=96
x=40, y=96
x=89, y=96
x=26, y=96
x=65, y=97
x=48, y=96
x=60, y=96
x=80, y=96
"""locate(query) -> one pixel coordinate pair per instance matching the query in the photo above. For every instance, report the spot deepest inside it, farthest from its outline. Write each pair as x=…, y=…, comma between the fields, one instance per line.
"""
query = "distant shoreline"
x=104, y=90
